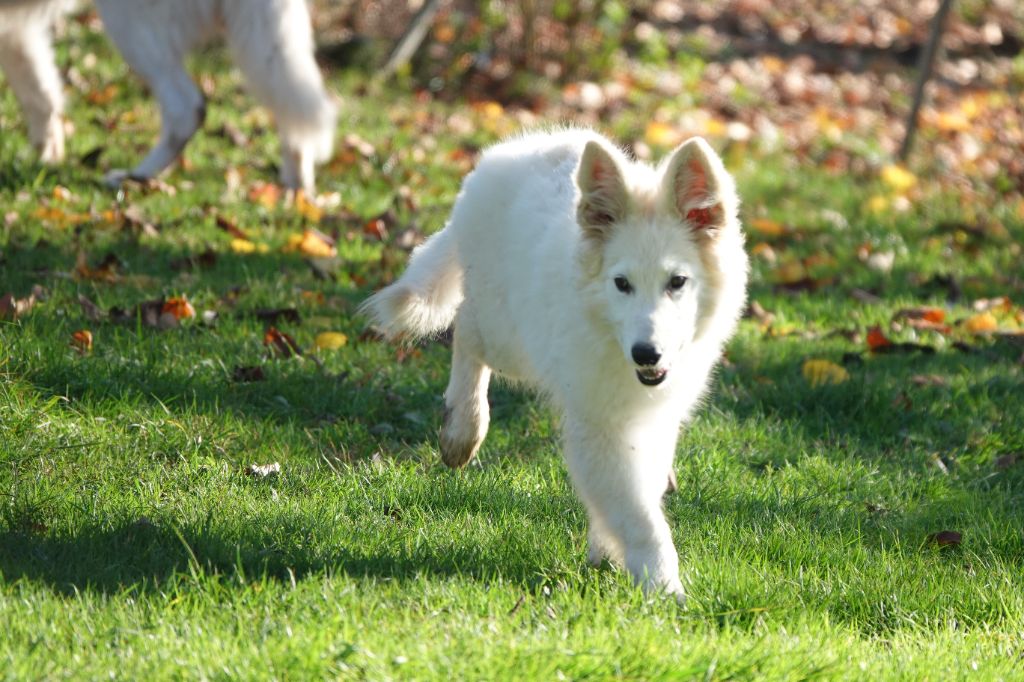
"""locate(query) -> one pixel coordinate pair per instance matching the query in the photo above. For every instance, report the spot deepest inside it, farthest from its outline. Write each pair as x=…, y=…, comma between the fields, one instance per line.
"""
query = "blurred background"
x=830, y=81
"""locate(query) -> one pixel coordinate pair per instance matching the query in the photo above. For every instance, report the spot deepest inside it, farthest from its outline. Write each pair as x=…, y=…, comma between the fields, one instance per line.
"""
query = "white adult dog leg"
x=272, y=43
x=467, y=413
x=26, y=57
x=156, y=57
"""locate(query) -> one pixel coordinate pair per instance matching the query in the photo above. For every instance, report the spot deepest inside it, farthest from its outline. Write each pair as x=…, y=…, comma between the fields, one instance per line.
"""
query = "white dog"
x=271, y=41
x=608, y=284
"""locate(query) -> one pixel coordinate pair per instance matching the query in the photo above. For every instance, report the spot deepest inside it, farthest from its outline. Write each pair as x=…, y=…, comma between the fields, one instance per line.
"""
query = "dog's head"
x=659, y=249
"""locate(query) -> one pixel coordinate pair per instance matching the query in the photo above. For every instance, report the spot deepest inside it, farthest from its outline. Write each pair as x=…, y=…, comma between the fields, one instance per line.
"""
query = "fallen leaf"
x=929, y=380
x=244, y=374
x=945, y=538
x=307, y=208
x=821, y=372
x=231, y=228
x=244, y=246
x=981, y=323
x=12, y=308
x=178, y=307
x=266, y=194
x=926, y=318
x=275, y=315
x=317, y=244
x=263, y=470
x=767, y=227
x=91, y=311
x=877, y=339
x=81, y=341
x=1008, y=460
x=105, y=271
x=1001, y=304
x=898, y=178
x=283, y=344
x=376, y=229
x=330, y=340
x=659, y=134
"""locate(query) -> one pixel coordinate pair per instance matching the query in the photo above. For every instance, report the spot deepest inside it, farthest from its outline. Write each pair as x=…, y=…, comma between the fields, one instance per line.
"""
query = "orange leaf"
x=82, y=341
x=876, y=339
x=981, y=323
x=178, y=307
x=264, y=193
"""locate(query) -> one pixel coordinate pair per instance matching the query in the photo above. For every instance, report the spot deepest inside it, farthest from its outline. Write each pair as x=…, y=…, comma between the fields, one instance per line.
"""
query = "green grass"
x=133, y=544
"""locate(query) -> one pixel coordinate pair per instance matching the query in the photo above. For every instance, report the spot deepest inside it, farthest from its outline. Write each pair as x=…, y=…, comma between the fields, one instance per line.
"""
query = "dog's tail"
x=273, y=45
x=426, y=297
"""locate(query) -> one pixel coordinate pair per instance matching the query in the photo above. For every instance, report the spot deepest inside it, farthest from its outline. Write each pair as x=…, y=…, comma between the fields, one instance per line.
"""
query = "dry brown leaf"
x=281, y=343
x=946, y=538
x=12, y=308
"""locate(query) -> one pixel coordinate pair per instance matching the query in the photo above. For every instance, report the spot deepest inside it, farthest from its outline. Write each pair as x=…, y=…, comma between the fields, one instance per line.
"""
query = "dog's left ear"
x=697, y=187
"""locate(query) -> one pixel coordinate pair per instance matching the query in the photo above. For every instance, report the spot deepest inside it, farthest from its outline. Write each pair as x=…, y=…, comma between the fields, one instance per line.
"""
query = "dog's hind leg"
x=26, y=57
x=272, y=43
x=156, y=52
x=467, y=413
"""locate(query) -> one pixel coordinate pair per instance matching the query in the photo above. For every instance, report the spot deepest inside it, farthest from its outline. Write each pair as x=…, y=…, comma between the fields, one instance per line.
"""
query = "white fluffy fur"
x=526, y=269
x=271, y=41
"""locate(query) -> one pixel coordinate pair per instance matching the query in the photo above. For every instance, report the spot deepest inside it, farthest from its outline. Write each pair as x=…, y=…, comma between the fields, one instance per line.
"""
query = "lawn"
x=861, y=517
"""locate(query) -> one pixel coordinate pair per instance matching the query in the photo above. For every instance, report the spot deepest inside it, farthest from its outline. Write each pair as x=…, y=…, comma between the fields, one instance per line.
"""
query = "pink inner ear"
x=700, y=217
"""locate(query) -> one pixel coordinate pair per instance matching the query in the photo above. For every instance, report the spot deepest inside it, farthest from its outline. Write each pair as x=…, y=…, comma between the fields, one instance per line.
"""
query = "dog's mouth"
x=651, y=376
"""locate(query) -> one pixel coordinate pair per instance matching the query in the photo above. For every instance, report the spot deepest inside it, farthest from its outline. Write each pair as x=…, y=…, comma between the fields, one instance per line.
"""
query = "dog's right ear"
x=602, y=191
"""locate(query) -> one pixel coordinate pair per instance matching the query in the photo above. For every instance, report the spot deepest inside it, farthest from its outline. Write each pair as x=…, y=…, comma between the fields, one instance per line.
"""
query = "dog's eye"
x=677, y=282
x=623, y=285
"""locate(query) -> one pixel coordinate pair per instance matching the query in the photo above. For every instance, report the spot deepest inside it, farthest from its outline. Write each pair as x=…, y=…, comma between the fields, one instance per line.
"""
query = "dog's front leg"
x=621, y=483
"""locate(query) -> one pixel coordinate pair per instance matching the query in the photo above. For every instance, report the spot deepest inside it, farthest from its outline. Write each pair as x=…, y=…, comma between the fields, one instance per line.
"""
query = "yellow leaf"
x=982, y=322
x=307, y=208
x=714, y=128
x=821, y=372
x=662, y=135
x=489, y=109
x=315, y=245
x=898, y=178
x=242, y=246
x=878, y=204
x=330, y=340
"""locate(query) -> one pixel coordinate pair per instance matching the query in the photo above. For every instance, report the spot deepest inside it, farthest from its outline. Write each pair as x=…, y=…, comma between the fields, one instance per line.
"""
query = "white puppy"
x=271, y=41
x=608, y=284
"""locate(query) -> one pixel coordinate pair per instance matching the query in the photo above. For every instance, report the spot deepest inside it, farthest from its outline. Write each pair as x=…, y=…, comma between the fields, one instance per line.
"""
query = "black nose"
x=645, y=355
